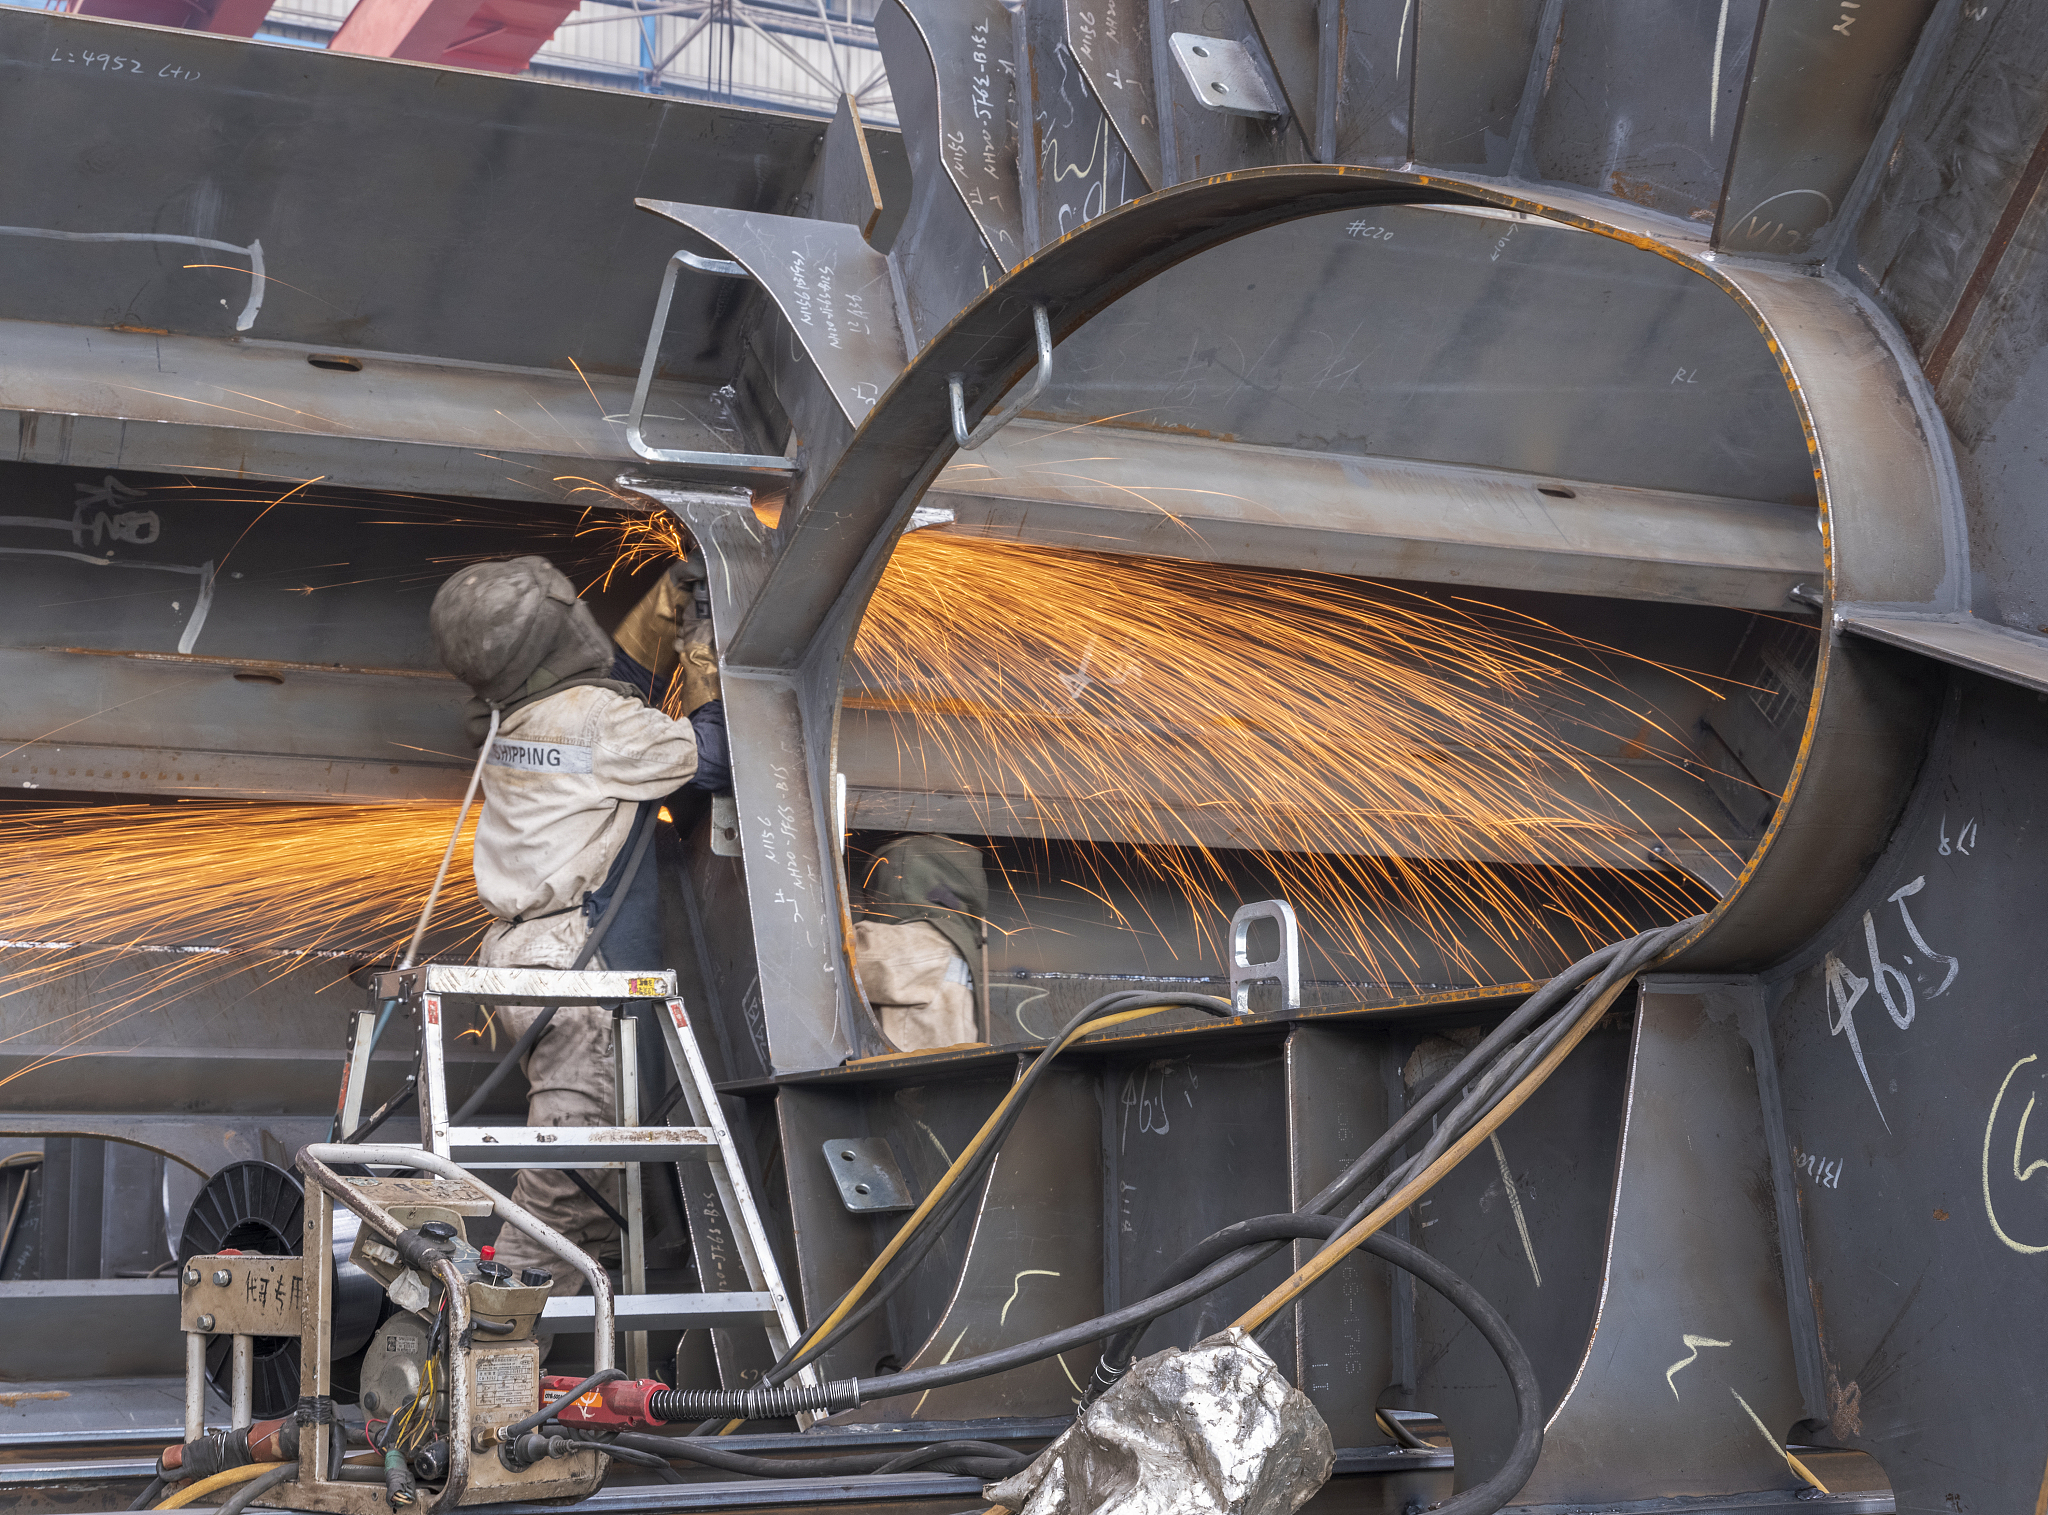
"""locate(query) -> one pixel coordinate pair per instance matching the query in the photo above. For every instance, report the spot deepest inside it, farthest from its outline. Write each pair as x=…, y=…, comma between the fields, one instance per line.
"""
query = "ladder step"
x=529, y=986
x=576, y=1146
x=662, y=1312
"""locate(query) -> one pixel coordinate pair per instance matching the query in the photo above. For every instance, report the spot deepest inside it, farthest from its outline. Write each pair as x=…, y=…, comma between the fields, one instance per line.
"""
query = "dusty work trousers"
x=571, y=1070
x=572, y=1073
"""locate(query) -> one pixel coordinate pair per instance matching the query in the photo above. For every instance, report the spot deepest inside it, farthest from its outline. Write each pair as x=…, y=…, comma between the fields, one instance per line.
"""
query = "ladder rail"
x=730, y=1179
x=709, y=1136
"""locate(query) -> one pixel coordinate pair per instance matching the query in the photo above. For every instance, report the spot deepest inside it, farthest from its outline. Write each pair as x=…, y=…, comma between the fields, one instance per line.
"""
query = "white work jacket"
x=561, y=783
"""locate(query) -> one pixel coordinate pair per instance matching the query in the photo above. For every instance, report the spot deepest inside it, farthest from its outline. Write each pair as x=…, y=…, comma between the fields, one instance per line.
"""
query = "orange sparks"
x=1403, y=762
x=149, y=903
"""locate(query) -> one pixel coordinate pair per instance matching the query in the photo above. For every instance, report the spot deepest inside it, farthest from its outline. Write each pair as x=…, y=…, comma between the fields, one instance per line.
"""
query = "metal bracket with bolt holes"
x=1284, y=970
x=865, y=1169
x=1228, y=76
x=1004, y=414
x=241, y=1296
x=725, y=826
x=733, y=461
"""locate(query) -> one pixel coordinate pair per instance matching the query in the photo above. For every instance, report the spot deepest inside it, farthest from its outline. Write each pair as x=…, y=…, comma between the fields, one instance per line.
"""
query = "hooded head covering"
x=932, y=878
x=514, y=631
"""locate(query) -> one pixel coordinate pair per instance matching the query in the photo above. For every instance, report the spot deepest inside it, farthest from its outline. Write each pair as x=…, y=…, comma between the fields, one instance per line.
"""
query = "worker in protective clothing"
x=576, y=771
x=920, y=950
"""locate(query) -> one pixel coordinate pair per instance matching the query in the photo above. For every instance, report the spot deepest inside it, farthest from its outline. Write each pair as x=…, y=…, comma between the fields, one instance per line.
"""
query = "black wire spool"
x=261, y=1208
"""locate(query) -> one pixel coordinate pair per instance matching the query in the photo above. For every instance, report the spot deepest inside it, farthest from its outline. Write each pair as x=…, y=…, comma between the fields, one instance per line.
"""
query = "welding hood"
x=514, y=630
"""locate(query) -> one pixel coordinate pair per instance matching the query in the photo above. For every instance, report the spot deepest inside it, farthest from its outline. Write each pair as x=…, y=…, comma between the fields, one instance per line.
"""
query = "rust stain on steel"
x=2022, y=197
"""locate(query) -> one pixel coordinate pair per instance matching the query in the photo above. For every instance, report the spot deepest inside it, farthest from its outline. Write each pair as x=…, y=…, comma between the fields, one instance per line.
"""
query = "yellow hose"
x=960, y=1164
x=908, y=1229
x=1287, y=1291
x=206, y=1486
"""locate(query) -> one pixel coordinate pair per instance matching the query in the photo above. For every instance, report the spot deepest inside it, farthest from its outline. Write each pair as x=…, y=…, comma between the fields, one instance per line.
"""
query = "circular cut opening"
x=257, y=678
x=1557, y=492
x=335, y=362
x=1219, y=86
x=847, y=1154
x=860, y=1188
x=1199, y=52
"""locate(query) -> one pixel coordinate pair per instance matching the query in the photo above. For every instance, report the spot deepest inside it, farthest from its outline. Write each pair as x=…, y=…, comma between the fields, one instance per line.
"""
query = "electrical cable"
x=1554, y=1043
x=549, y=1411
x=1600, y=995
x=419, y=932
x=590, y=1193
x=385, y=1111
x=476, y=774
x=634, y=1457
x=255, y=1488
x=1496, y=1491
x=979, y=1153
x=1483, y=1087
x=221, y=1480
x=151, y=1493
x=644, y=824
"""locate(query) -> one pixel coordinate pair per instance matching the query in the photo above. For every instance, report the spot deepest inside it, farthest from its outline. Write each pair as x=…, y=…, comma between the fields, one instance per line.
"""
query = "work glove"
x=714, y=752
x=648, y=633
x=695, y=645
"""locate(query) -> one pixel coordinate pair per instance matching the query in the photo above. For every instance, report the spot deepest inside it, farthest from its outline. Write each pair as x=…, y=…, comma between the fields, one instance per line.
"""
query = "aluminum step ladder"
x=428, y=991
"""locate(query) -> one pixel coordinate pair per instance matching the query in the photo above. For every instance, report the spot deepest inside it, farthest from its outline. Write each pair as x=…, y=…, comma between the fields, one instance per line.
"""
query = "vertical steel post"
x=633, y=1245
x=242, y=1377
x=195, y=1385
x=316, y=1338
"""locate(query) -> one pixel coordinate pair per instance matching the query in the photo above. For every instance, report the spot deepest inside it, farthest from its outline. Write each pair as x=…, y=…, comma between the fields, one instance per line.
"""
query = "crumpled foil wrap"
x=1213, y=1430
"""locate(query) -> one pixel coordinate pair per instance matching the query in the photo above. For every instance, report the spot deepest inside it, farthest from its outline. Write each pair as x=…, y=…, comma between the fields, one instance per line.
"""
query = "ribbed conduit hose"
x=974, y=1459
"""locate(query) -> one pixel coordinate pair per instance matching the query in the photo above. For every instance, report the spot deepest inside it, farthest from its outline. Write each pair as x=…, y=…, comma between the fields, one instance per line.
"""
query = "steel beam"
x=78, y=719
x=1964, y=641
x=252, y=408
x=1111, y=490
x=227, y=18
x=909, y=769
x=450, y=31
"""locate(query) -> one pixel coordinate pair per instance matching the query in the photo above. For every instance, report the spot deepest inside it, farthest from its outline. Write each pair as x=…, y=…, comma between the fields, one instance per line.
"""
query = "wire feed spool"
x=259, y=1207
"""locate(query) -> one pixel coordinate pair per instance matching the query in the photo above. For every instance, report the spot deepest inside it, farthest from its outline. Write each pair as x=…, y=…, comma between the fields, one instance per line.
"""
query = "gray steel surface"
x=1524, y=1219
x=91, y=1327
x=1171, y=495
x=1076, y=120
x=1113, y=49
x=1688, y=1385
x=1413, y=332
x=1336, y=1104
x=404, y=253
x=1820, y=80
x=1657, y=136
x=1908, y=1042
x=1032, y=1265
